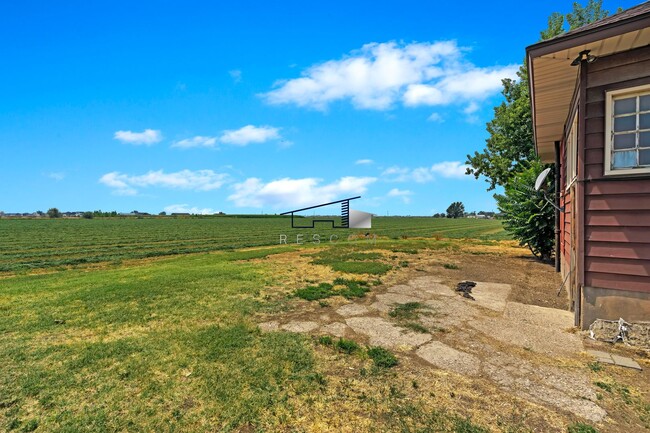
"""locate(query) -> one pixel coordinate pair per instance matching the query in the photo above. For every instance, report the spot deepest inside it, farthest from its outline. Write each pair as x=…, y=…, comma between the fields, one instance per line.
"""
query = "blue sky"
x=250, y=107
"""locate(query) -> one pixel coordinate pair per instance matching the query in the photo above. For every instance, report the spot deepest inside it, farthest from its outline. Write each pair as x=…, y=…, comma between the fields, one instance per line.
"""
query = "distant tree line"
x=457, y=210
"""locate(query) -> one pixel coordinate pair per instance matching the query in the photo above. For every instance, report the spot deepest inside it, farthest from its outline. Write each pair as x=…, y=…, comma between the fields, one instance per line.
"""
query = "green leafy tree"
x=456, y=210
x=526, y=214
x=87, y=215
x=555, y=26
x=582, y=15
x=53, y=213
x=510, y=151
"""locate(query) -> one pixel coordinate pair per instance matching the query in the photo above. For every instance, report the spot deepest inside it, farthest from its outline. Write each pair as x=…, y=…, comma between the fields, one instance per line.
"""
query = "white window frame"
x=571, y=153
x=610, y=97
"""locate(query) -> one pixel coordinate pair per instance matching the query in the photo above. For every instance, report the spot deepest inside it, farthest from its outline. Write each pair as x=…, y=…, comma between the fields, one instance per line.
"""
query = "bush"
x=314, y=293
x=579, y=427
x=456, y=210
x=526, y=215
x=353, y=288
x=53, y=213
x=325, y=340
x=382, y=357
x=347, y=346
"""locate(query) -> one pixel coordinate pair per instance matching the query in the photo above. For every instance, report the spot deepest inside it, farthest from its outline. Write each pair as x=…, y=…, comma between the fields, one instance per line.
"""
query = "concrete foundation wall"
x=611, y=304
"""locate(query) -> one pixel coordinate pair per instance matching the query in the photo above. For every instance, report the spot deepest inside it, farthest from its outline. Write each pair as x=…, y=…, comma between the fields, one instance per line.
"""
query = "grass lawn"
x=171, y=344
x=162, y=346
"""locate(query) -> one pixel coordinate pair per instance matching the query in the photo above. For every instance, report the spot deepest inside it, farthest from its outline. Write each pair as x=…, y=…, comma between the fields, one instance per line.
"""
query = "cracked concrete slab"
x=349, y=310
x=491, y=295
x=269, y=326
x=540, y=339
x=336, y=329
x=407, y=290
x=541, y=316
x=298, y=326
x=431, y=286
x=448, y=358
x=610, y=358
x=624, y=361
x=387, y=301
x=381, y=332
x=563, y=389
x=538, y=329
x=448, y=312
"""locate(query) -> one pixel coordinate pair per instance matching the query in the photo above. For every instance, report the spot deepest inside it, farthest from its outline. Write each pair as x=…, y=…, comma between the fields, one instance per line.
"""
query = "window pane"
x=624, y=141
x=644, y=121
x=624, y=159
x=644, y=139
x=644, y=157
x=645, y=103
x=622, y=106
x=627, y=123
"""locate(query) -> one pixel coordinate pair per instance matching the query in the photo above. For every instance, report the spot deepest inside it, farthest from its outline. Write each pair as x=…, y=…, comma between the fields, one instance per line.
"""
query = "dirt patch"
x=531, y=281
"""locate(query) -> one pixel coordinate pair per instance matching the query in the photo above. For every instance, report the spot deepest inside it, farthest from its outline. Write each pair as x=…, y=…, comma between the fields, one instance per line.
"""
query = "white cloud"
x=198, y=141
x=295, y=193
x=364, y=162
x=405, y=194
x=58, y=176
x=250, y=134
x=422, y=175
x=381, y=74
x=459, y=86
x=235, y=74
x=184, y=208
x=450, y=169
x=470, y=111
x=447, y=169
x=146, y=137
x=471, y=108
x=423, y=94
x=435, y=117
x=116, y=181
x=199, y=180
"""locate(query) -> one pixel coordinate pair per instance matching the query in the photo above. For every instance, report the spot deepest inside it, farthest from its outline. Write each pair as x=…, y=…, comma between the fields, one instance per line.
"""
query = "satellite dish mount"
x=538, y=186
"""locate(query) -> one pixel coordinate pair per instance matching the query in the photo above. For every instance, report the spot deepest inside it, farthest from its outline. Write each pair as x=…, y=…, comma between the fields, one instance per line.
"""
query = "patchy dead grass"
x=170, y=343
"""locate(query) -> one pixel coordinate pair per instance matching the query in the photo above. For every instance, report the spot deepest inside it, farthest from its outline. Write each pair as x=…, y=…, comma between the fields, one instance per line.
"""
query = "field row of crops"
x=43, y=243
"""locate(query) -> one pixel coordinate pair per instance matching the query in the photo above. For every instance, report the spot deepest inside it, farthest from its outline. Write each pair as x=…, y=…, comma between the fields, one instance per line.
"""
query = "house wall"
x=568, y=260
x=616, y=209
x=565, y=217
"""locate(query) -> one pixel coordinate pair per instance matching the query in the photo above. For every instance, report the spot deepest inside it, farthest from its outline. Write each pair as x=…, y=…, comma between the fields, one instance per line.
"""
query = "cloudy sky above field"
x=250, y=107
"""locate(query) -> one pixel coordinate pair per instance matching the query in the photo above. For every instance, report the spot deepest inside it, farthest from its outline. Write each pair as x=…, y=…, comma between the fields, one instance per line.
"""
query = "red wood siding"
x=617, y=212
x=565, y=217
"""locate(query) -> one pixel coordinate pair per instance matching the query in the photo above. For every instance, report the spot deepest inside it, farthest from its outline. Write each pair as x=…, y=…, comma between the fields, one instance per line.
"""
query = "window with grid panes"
x=627, y=144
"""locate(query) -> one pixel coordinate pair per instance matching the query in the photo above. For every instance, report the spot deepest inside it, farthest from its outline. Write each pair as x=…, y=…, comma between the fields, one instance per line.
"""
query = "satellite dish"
x=541, y=178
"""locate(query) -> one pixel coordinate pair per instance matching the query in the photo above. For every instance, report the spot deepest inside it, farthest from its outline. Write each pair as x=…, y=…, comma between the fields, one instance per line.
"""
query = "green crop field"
x=173, y=344
x=45, y=243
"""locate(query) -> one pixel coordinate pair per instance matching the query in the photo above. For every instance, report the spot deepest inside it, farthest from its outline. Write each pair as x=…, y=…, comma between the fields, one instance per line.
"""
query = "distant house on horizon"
x=590, y=96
